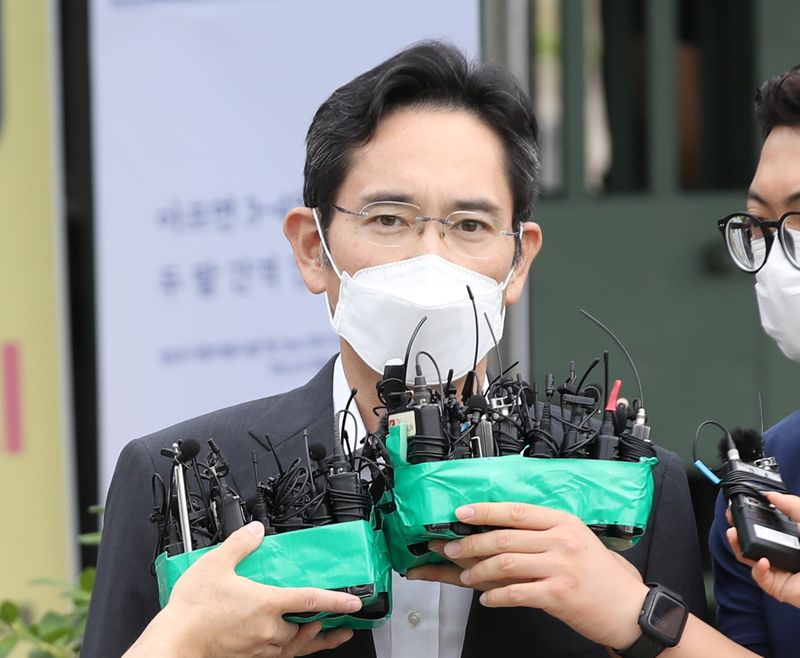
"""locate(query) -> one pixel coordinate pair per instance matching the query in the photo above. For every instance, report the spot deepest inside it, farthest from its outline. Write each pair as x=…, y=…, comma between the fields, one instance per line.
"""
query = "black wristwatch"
x=662, y=620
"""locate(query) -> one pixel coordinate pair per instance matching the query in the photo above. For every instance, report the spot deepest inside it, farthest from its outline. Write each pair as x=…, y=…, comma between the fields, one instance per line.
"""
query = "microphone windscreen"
x=748, y=442
x=188, y=449
x=477, y=403
x=593, y=391
x=317, y=452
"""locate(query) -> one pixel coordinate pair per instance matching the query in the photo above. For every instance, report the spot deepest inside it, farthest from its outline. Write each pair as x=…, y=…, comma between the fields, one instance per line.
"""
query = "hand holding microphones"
x=543, y=558
x=213, y=612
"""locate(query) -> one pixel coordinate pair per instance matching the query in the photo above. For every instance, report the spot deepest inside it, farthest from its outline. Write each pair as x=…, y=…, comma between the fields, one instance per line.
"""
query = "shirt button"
x=414, y=618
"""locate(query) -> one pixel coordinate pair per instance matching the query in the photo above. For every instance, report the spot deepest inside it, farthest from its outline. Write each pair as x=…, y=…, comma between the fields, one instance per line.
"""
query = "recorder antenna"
x=622, y=347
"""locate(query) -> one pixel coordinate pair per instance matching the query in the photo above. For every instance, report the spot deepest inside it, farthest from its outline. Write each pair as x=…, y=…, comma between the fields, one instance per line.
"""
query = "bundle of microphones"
x=318, y=490
x=510, y=418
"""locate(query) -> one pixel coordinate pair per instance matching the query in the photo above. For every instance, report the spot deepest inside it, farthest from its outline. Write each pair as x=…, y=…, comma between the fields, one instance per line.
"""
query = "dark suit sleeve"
x=674, y=556
x=125, y=595
x=740, y=611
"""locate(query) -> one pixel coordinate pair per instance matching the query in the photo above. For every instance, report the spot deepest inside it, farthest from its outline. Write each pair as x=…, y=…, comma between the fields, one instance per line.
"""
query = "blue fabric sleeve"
x=740, y=614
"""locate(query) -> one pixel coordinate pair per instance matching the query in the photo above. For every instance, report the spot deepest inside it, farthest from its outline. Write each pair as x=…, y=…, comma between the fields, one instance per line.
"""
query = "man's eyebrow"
x=386, y=195
x=793, y=198
x=789, y=200
x=755, y=197
x=752, y=195
x=475, y=203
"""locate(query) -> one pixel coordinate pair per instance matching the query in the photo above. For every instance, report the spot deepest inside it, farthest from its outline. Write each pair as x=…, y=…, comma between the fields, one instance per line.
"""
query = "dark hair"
x=427, y=74
x=777, y=101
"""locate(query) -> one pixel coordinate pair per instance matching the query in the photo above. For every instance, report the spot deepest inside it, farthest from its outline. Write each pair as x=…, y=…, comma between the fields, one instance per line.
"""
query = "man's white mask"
x=778, y=294
x=379, y=308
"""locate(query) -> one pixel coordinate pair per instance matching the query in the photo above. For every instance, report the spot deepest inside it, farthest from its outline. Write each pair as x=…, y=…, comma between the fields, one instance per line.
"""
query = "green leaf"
x=55, y=582
x=89, y=539
x=96, y=509
x=40, y=653
x=8, y=611
x=77, y=596
x=53, y=626
x=87, y=579
x=6, y=645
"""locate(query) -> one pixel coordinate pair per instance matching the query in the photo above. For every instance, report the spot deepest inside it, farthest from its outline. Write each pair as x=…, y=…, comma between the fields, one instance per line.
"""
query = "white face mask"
x=778, y=294
x=379, y=308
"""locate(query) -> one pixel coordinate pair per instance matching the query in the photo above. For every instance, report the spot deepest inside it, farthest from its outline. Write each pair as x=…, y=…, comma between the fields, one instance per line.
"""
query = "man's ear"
x=530, y=243
x=301, y=231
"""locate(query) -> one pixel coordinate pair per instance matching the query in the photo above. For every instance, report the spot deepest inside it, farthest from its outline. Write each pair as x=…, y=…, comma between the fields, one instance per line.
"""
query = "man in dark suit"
x=421, y=177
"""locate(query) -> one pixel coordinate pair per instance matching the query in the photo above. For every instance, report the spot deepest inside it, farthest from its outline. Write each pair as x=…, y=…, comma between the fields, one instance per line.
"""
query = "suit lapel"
x=308, y=408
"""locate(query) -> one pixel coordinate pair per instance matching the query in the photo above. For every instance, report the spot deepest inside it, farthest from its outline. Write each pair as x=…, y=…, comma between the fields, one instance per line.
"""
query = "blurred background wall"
x=164, y=140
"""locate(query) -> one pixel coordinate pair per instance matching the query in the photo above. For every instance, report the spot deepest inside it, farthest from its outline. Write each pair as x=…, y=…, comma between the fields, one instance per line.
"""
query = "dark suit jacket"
x=125, y=595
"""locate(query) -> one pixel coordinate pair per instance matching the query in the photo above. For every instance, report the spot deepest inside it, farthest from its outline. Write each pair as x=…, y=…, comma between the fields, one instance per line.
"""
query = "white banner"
x=200, y=111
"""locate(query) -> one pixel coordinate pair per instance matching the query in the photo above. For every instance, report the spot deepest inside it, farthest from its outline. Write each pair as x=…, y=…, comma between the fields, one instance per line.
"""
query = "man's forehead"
x=776, y=184
x=441, y=159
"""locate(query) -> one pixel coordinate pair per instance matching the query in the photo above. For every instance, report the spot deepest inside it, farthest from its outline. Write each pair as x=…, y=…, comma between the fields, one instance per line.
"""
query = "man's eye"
x=386, y=221
x=471, y=226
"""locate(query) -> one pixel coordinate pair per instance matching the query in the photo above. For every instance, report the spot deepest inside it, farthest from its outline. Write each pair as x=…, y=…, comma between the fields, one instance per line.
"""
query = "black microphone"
x=428, y=442
x=318, y=512
x=188, y=449
x=318, y=452
x=229, y=506
x=392, y=387
x=481, y=440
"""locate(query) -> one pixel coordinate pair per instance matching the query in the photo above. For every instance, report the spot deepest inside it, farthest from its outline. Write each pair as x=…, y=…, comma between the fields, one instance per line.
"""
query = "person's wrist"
x=175, y=636
x=630, y=607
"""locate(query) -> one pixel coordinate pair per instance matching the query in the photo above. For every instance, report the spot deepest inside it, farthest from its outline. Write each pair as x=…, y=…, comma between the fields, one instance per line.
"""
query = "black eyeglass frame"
x=769, y=236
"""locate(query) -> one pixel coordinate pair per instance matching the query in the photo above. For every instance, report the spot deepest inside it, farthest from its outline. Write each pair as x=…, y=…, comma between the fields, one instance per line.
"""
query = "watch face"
x=667, y=616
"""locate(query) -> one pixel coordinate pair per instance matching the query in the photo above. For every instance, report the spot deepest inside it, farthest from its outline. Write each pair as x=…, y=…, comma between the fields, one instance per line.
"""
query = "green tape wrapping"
x=329, y=557
x=600, y=492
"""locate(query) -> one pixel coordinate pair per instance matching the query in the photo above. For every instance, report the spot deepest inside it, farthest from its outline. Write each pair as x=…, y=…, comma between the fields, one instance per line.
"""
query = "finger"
x=305, y=635
x=437, y=546
x=729, y=516
x=786, y=503
x=733, y=540
x=440, y=573
x=532, y=595
x=238, y=546
x=506, y=567
x=511, y=515
x=281, y=633
x=503, y=540
x=326, y=640
x=312, y=599
x=765, y=577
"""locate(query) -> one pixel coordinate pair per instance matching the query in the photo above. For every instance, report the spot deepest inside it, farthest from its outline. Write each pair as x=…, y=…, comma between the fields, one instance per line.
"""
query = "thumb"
x=239, y=545
x=786, y=503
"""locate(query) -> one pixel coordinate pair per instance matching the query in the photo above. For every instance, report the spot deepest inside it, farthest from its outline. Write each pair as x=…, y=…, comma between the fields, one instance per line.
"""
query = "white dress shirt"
x=428, y=619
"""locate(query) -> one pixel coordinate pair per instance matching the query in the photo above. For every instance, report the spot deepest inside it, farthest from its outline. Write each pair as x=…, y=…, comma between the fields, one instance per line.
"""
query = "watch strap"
x=644, y=647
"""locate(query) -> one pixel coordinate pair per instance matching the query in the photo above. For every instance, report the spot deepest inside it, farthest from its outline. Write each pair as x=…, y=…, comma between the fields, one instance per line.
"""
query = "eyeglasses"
x=470, y=233
x=750, y=238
